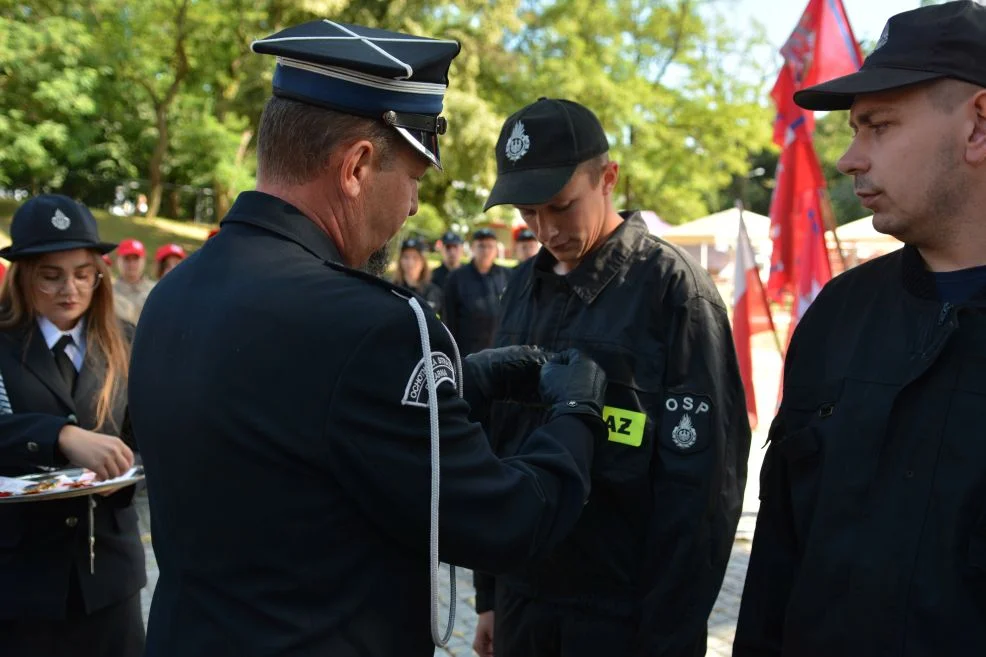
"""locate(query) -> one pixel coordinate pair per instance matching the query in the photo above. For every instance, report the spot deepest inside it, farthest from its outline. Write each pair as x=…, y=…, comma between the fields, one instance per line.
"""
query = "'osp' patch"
x=416, y=391
x=686, y=422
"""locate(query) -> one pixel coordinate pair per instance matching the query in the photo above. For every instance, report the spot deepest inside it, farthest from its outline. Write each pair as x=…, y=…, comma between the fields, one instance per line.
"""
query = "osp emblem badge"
x=684, y=435
x=60, y=220
x=519, y=143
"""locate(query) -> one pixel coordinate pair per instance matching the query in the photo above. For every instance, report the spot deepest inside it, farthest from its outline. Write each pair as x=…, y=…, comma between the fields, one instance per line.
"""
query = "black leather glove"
x=501, y=373
x=572, y=383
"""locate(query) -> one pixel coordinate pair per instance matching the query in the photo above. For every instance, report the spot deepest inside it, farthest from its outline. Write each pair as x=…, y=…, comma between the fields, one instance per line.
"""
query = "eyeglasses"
x=85, y=280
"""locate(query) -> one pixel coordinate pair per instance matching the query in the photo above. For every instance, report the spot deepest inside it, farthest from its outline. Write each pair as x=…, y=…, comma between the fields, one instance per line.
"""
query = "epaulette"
x=369, y=278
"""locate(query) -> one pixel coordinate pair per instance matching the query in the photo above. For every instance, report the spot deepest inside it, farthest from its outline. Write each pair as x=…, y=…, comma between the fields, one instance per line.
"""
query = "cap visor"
x=839, y=94
x=10, y=254
x=530, y=186
x=425, y=143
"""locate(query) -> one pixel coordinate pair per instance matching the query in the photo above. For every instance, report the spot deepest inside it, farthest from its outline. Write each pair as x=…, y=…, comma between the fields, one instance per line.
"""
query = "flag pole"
x=763, y=291
x=828, y=216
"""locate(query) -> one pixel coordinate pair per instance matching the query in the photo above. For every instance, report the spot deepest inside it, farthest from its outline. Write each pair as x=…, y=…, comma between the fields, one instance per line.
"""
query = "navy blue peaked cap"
x=398, y=78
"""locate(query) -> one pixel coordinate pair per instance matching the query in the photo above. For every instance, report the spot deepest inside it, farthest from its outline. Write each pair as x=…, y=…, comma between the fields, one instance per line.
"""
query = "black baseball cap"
x=539, y=149
x=930, y=43
x=451, y=238
x=50, y=223
x=526, y=235
x=413, y=243
x=484, y=234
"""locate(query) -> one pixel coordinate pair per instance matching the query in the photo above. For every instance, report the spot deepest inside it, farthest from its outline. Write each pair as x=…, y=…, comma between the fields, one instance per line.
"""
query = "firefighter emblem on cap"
x=60, y=220
x=519, y=143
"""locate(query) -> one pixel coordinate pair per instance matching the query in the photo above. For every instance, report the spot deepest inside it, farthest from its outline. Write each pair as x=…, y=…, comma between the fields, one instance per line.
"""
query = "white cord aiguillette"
x=437, y=636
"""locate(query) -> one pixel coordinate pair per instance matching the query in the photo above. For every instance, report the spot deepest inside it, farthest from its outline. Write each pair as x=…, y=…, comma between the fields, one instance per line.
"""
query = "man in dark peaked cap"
x=871, y=533
x=292, y=417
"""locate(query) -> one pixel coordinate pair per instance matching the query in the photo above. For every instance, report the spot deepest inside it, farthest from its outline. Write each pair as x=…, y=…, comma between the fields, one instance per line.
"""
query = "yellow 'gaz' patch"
x=625, y=426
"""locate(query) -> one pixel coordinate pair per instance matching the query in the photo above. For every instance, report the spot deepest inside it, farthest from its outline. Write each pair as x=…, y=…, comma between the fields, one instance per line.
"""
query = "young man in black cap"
x=641, y=570
x=871, y=536
x=284, y=415
x=472, y=295
x=451, y=258
x=526, y=245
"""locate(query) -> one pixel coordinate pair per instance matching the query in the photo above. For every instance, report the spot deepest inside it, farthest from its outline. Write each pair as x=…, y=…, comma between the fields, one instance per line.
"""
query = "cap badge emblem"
x=519, y=143
x=60, y=220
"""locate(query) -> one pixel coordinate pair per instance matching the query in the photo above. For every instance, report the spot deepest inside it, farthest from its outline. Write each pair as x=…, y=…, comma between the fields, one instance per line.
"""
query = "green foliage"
x=166, y=92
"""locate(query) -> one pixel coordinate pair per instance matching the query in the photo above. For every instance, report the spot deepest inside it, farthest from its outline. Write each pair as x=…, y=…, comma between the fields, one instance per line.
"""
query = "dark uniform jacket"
x=655, y=537
x=432, y=294
x=44, y=544
x=289, y=473
x=439, y=276
x=472, y=303
x=871, y=536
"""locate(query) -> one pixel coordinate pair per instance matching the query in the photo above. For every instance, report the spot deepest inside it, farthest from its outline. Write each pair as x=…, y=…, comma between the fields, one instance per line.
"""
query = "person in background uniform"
x=132, y=285
x=451, y=258
x=63, y=374
x=472, y=295
x=526, y=245
x=3, y=272
x=871, y=535
x=167, y=258
x=640, y=572
x=412, y=273
x=292, y=472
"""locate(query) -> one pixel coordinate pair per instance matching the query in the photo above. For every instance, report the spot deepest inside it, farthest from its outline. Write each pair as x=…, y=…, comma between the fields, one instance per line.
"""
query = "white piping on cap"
x=366, y=80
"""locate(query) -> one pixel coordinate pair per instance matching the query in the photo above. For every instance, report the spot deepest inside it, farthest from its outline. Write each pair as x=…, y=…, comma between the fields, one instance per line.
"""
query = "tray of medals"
x=62, y=484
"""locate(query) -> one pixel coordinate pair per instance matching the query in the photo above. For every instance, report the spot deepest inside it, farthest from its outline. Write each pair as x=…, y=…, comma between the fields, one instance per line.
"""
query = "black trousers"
x=115, y=631
x=525, y=627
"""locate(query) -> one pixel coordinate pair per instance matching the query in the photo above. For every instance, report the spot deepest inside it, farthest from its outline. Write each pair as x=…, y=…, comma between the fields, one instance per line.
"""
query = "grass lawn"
x=152, y=232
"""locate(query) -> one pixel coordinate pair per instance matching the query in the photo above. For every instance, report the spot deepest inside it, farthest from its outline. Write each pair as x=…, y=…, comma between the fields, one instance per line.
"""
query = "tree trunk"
x=175, y=203
x=157, y=159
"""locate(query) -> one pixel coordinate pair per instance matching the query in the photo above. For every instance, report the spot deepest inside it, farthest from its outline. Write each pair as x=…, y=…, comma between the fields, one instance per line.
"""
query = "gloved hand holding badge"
x=569, y=382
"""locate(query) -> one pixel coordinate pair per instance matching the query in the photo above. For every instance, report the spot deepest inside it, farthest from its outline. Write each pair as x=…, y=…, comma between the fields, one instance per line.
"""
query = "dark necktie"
x=64, y=363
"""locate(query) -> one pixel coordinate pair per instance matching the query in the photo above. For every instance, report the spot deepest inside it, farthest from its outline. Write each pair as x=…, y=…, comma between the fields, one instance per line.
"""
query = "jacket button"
x=71, y=521
x=32, y=446
x=71, y=418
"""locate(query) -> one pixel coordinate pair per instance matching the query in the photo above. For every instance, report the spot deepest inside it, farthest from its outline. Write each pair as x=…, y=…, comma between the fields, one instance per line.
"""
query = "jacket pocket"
x=798, y=439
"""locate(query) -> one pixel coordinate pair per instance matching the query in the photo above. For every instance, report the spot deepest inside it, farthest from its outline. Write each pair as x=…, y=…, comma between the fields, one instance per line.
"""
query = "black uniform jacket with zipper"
x=289, y=472
x=871, y=536
x=655, y=537
x=41, y=543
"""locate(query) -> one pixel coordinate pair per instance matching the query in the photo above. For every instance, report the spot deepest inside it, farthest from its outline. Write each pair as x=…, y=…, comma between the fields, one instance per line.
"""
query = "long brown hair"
x=425, y=269
x=104, y=337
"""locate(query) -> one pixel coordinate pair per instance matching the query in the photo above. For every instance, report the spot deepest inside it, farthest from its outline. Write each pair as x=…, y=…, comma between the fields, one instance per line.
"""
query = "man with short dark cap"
x=526, y=245
x=451, y=258
x=300, y=419
x=871, y=535
x=472, y=295
x=641, y=570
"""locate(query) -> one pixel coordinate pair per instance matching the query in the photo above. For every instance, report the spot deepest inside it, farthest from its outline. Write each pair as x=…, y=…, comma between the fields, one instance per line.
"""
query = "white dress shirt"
x=76, y=351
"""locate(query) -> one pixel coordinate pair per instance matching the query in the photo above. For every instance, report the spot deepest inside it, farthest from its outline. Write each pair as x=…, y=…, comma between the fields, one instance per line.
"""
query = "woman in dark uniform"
x=414, y=274
x=64, y=361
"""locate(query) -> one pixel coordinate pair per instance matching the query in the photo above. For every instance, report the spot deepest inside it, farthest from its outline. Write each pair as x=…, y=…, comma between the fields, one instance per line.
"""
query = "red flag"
x=821, y=47
x=751, y=314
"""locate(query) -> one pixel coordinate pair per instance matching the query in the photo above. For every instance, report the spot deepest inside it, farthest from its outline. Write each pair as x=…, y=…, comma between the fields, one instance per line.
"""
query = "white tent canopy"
x=862, y=230
x=711, y=239
x=720, y=230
